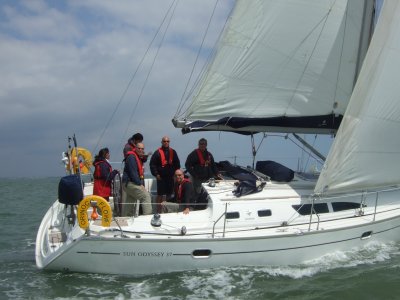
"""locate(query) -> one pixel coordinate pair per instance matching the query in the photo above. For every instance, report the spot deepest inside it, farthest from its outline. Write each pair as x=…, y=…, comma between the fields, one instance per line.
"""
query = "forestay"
x=283, y=66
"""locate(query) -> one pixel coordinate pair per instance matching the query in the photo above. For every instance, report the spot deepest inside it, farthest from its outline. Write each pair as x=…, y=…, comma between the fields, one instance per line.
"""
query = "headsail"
x=281, y=66
x=366, y=151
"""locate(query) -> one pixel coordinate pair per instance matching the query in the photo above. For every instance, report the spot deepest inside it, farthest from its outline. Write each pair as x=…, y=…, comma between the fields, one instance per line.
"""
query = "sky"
x=71, y=67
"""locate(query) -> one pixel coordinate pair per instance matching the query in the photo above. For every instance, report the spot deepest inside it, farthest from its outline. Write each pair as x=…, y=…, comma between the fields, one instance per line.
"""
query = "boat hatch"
x=201, y=253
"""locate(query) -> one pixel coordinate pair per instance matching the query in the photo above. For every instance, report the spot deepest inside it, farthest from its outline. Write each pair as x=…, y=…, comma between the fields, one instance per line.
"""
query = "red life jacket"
x=178, y=191
x=202, y=161
x=101, y=187
x=162, y=156
x=138, y=162
x=131, y=148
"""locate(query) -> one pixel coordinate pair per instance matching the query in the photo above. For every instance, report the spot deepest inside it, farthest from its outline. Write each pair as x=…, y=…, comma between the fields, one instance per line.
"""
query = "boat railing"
x=376, y=204
x=223, y=215
x=371, y=197
x=313, y=211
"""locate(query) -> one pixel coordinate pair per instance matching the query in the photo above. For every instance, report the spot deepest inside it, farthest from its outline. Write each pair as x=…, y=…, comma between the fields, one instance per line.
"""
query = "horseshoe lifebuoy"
x=80, y=157
x=102, y=204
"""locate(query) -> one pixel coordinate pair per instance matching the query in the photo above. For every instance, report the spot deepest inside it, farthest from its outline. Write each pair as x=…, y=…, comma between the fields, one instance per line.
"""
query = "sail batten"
x=280, y=63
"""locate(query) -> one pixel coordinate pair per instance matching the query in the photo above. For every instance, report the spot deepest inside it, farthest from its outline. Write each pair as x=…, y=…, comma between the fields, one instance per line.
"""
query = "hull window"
x=201, y=253
x=304, y=210
x=264, y=213
x=232, y=215
x=339, y=206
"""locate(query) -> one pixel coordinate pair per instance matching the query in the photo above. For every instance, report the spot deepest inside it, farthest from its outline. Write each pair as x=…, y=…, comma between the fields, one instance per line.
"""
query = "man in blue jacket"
x=133, y=183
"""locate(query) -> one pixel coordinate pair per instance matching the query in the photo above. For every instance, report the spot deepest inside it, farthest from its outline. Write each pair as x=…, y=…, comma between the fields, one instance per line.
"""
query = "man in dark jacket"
x=163, y=164
x=183, y=197
x=201, y=166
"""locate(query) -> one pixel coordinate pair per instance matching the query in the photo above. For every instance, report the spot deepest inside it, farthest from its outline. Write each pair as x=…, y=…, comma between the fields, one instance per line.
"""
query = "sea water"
x=372, y=272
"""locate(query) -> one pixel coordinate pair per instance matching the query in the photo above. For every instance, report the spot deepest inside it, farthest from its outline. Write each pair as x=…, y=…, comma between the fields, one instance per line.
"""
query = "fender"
x=101, y=203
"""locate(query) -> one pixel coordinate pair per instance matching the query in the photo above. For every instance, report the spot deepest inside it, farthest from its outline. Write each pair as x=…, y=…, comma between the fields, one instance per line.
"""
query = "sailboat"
x=285, y=66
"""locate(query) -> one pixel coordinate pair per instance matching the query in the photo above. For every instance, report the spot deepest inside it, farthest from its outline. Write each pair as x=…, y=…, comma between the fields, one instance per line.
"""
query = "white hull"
x=249, y=240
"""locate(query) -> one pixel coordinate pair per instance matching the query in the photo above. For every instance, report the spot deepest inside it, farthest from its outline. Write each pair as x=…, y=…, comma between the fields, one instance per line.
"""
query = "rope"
x=132, y=78
x=151, y=68
x=197, y=57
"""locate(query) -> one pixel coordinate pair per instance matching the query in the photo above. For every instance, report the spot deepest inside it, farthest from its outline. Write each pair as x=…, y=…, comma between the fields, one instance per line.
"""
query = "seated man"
x=184, y=195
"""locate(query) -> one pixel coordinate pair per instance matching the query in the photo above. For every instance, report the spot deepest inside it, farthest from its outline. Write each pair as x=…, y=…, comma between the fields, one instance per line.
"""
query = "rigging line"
x=309, y=156
x=254, y=150
x=132, y=78
x=192, y=89
x=259, y=145
x=304, y=149
x=201, y=73
x=198, y=53
x=151, y=68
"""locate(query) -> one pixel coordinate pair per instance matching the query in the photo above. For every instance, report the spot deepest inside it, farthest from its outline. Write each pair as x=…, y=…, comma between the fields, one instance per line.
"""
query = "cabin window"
x=319, y=208
x=264, y=213
x=232, y=215
x=339, y=206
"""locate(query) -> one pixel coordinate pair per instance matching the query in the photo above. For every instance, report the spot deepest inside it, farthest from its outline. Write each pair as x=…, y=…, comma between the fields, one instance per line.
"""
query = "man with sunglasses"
x=163, y=164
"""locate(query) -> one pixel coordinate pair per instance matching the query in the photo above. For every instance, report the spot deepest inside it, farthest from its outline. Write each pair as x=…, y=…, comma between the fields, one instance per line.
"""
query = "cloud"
x=65, y=67
x=66, y=64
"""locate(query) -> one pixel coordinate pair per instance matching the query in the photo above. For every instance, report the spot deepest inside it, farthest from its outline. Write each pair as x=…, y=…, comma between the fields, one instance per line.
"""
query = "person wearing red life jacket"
x=163, y=164
x=133, y=183
x=131, y=144
x=103, y=174
x=201, y=166
x=183, y=200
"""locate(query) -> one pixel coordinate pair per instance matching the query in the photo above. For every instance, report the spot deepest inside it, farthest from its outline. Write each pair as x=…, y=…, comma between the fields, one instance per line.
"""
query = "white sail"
x=366, y=151
x=286, y=66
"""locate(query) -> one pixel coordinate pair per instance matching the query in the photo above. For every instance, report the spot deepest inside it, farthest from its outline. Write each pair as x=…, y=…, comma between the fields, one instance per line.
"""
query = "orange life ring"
x=81, y=158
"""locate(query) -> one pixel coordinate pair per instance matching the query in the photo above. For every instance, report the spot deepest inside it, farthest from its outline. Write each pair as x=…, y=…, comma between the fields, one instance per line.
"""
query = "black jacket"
x=168, y=170
x=198, y=171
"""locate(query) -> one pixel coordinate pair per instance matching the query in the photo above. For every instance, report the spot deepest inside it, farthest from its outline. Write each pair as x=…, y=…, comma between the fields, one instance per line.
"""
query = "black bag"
x=275, y=171
x=70, y=190
x=246, y=187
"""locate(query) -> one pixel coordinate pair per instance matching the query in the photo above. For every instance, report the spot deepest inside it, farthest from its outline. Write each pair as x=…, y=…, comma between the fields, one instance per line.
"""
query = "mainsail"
x=282, y=66
x=366, y=151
